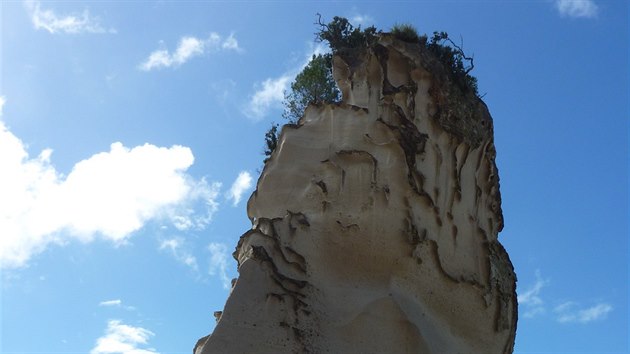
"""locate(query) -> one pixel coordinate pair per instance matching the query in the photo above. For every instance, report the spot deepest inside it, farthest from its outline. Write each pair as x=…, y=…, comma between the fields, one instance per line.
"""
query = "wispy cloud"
x=362, y=20
x=120, y=338
x=571, y=312
x=179, y=252
x=73, y=23
x=111, y=195
x=188, y=48
x=577, y=8
x=219, y=263
x=230, y=43
x=269, y=93
x=116, y=302
x=530, y=299
x=3, y=100
x=532, y=304
x=195, y=212
x=242, y=183
x=223, y=90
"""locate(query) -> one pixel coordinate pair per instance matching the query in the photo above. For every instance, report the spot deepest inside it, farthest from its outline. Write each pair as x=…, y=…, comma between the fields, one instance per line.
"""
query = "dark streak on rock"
x=274, y=238
x=454, y=232
x=413, y=143
x=322, y=186
x=299, y=217
x=348, y=227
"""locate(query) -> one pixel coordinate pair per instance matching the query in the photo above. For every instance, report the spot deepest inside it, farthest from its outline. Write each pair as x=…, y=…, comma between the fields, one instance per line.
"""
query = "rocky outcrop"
x=375, y=223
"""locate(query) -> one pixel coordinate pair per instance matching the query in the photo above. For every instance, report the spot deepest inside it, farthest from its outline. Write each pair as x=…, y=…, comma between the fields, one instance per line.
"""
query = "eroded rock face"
x=375, y=224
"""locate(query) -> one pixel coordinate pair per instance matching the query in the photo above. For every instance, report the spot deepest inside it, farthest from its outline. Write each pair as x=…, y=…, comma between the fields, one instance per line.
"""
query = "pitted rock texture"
x=375, y=224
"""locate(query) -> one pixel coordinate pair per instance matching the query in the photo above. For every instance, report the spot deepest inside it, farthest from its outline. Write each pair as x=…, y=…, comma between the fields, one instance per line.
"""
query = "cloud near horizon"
x=72, y=24
x=188, y=48
x=120, y=338
x=577, y=8
x=108, y=195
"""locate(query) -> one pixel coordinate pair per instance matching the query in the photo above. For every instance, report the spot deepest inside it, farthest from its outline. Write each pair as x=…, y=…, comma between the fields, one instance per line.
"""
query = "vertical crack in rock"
x=375, y=223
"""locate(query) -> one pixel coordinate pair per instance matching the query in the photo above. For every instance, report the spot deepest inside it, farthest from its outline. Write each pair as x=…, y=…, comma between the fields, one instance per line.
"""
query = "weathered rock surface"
x=375, y=224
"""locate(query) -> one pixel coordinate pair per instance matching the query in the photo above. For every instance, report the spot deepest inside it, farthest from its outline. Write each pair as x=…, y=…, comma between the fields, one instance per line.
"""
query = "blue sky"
x=131, y=136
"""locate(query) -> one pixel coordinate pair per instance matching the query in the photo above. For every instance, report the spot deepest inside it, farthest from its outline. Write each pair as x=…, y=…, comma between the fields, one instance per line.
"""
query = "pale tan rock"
x=375, y=224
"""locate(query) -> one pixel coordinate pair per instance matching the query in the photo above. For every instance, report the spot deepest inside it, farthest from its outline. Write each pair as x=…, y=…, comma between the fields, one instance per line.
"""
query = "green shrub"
x=453, y=57
x=344, y=39
x=271, y=141
x=405, y=32
x=347, y=41
x=315, y=84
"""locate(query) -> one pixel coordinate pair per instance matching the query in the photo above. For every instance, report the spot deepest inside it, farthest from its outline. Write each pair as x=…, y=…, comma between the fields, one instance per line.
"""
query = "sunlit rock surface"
x=375, y=224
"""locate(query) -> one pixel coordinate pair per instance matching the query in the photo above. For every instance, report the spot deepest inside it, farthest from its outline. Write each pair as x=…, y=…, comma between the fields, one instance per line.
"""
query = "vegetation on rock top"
x=315, y=84
x=405, y=32
x=344, y=39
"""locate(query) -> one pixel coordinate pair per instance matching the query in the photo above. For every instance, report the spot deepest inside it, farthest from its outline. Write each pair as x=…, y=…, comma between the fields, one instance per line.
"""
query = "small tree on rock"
x=315, y=84
x=271, y=141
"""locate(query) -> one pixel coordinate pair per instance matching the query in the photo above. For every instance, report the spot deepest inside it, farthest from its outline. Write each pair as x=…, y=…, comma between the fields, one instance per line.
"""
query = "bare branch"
x=322, y=27
x=461, y=52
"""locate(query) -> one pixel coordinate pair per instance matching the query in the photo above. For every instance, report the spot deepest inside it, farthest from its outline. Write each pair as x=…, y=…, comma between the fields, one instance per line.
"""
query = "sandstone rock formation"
x=375, y=224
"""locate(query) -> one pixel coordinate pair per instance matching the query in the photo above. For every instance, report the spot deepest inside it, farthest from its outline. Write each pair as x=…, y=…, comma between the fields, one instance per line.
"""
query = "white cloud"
x=214, y=40
x=120, y=338
x=116, y=302
x=242, y=183
x=188, y=48
x=270, y=93
x=157, y=59
x=3, y=100
x=231, y=43
x=577, y=8
x=362, y=20
x=569, y=312
x=532, y=304
x=51, y=22
x=186, y=215
x=531, y=300
x=177, y=249
x=110, y=194
x=219, y=262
